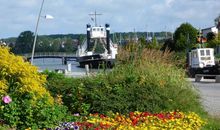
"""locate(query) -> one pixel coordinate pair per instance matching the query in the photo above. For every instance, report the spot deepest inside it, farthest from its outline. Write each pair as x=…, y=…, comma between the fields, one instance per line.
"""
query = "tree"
x=24, y=43
x=168, y=44
x=56, y=45
x=215, y=42
x=210, y=36
x=81, y=38
x=153, y=44
x=43, y=44
x=142, y=41
x=217, y=22
x=180, y=43
x=68, y=44
x=184, y=37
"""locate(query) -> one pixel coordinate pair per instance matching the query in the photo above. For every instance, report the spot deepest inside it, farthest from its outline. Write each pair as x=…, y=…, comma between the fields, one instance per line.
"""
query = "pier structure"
x=64, y=56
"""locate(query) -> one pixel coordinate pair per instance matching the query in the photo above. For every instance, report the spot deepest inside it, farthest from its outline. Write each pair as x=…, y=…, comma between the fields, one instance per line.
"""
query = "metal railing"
x=45, y=54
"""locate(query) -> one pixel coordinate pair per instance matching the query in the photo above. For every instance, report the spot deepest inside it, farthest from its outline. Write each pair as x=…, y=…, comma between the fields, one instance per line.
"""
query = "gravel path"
x=210, y=94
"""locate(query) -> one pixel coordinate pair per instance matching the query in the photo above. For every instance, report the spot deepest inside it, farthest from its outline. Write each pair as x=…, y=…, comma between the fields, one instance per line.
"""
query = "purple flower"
x=6, y=99
x=76, y=127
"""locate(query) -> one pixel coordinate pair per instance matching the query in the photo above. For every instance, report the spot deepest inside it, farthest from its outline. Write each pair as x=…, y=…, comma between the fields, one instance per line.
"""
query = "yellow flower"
x=24, y=77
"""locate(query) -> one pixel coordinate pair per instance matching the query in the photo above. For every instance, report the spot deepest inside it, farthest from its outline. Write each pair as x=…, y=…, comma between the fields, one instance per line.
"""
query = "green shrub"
x=30, y=104
x=213, y=123
x=144, y=80
x=71, y=90
x=22, y=114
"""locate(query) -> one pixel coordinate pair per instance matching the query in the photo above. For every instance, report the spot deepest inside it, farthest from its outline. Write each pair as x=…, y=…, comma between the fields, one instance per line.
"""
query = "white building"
x=213, y=29
x=3, y=43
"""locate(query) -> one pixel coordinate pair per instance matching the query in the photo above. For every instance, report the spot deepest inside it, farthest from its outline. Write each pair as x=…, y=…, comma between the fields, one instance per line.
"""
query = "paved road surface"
x=210, y=93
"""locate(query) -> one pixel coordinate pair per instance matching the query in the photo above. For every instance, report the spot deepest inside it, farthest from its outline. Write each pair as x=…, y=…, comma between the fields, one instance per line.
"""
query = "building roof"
x=209, y=28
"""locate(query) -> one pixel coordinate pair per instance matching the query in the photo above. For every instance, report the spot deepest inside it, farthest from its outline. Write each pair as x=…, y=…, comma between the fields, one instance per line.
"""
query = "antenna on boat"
x=94, y=14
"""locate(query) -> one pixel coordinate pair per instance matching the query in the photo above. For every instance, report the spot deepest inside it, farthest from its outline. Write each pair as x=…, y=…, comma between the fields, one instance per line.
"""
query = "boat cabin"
x=98, y=32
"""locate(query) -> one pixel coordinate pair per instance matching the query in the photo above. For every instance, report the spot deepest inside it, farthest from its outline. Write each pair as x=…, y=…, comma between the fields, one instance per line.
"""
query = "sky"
x=71, y=16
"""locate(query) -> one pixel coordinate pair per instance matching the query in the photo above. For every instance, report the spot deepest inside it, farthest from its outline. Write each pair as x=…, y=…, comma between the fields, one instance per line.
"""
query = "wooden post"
x=87, y=69
x=62, y=60
x=217, y=78
x=69, y=67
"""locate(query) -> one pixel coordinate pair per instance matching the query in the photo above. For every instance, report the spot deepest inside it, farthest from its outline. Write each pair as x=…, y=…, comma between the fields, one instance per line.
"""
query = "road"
x=210, y=94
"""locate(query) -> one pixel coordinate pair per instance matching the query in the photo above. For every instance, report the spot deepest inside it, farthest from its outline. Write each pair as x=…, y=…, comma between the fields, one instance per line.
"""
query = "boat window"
x=194, y=54
x=93, y=29
x=205, y=58
x=202, y=52
x=208, y=52
x=101, y=29
x=97, y=29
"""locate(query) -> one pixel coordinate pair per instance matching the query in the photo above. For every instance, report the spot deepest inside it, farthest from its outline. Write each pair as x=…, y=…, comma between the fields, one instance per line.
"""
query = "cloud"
x=26, y=3
x=162, y=7
x=186, y=14
x=123, y=15
x=169, y=3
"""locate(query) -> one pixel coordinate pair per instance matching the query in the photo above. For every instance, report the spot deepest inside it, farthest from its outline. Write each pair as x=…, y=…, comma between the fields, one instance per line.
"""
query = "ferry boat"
x=97, y=50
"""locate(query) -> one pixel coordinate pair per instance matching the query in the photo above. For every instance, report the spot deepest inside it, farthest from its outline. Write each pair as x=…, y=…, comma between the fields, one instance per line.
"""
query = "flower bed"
x=138, y=121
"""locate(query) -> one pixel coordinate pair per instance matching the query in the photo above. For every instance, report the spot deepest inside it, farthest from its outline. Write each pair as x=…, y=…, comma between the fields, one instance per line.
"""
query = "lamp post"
x=35, y=33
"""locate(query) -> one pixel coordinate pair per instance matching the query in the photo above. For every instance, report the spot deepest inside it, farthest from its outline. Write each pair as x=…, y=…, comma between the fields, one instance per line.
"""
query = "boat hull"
x=95, y=61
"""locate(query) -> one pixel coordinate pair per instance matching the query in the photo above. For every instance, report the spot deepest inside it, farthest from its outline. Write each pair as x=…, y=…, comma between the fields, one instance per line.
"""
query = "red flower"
x=97, y=128
x=102, y=116
x=135, y=121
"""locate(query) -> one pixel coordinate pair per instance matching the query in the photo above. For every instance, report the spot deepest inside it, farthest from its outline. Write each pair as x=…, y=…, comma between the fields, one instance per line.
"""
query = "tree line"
x=52, y=43
x=69, y=42
x=183, y=39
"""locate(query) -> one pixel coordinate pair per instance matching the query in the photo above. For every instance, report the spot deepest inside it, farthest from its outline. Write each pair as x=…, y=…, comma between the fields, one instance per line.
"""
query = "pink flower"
x=6, y=99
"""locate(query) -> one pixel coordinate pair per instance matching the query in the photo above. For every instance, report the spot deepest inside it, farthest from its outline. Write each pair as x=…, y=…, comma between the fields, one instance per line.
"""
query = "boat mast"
x=95, y=14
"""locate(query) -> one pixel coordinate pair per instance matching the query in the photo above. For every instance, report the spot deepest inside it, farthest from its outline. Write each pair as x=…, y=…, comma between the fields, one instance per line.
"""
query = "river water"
x=53, y=64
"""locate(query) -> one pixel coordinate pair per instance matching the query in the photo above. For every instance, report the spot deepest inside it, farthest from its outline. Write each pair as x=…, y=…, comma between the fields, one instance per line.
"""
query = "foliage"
x=179, y=59
x=71, y=90
x=215, y=42
x=69, y=42
x=23, y=114
x=154, y=44
x=210, y=36
x=145, y=80
x=217, y=21
x=212, y=123
x=180, y=43
x=142, y=42
x=51, y=43
x=43, y=44
x=55, y=47
x=168, y=45
x=68, y=45
x=184, y=37
x=31, y=104
x=20, y=78
x=24, y=43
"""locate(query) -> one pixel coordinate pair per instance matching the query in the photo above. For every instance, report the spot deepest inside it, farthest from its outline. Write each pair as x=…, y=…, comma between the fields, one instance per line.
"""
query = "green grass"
x=213, y=123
